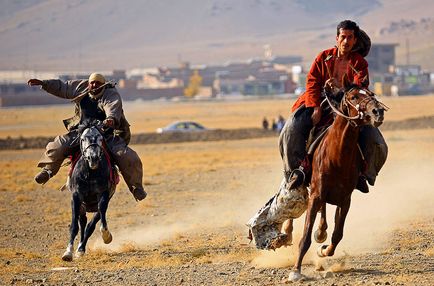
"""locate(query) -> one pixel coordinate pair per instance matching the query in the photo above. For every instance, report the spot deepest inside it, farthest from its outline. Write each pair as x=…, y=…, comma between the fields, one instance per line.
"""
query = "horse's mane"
x=87, y=123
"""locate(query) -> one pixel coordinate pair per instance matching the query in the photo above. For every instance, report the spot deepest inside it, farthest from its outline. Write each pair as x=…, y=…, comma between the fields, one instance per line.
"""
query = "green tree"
x=194, y=85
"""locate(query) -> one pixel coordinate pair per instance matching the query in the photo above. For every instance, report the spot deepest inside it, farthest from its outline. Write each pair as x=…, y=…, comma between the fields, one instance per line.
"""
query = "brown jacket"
x=320, y=72
x=110, y=102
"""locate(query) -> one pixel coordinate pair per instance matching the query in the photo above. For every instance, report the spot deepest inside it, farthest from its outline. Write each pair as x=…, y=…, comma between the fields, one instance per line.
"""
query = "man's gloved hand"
x=109, y=123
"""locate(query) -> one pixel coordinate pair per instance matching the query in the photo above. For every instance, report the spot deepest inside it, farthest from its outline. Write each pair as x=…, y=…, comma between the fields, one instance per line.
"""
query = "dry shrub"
x=197, y=253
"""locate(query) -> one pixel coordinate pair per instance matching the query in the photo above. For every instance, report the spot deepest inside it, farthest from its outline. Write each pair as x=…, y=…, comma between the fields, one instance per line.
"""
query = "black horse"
x=92, y=182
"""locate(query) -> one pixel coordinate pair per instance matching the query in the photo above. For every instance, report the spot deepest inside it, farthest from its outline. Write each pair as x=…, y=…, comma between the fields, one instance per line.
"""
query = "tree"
x=194, y=85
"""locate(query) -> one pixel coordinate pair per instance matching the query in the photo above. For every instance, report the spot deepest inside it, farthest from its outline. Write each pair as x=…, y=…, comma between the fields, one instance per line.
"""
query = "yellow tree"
x=193, y=85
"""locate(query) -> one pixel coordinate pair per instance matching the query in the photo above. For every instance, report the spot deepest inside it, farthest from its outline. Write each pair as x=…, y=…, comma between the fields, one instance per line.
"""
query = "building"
x=381, y=58
x=260, y=82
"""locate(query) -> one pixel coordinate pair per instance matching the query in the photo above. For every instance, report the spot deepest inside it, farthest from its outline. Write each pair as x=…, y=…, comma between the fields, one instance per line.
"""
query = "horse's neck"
x=346, y=136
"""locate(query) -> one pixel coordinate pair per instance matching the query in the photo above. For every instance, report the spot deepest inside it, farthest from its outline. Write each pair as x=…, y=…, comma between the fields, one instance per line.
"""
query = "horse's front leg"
x=75, y=206
x=88, y=232
x=83, y=222
x=102, y=209
x=305, y=242
x=321, y=234
x=338, y=232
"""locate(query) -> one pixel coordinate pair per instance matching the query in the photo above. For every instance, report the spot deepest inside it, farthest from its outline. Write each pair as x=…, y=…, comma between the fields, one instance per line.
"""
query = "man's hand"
x=316, y=115
x=109, y=123
x=330, y=86
x=34, y=81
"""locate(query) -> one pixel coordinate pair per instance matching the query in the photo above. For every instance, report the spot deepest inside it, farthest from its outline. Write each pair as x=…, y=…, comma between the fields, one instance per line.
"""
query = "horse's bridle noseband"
x=360, y=107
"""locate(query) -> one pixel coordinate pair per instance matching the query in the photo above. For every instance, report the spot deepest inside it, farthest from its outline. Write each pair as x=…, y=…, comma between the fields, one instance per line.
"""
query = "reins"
x=345, y=102
x=338, y=112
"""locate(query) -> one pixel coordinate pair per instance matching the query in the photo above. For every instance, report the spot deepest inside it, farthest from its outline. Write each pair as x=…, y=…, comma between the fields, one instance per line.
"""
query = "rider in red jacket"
x=327, y=71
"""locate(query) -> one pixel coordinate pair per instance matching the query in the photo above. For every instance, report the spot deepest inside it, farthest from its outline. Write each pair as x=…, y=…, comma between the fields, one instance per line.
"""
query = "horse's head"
x=362, y=106
x=91, y=142
x=359, y=105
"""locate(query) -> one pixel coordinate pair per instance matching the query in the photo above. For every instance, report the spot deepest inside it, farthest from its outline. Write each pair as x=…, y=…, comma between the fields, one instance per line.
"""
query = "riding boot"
x=296, y=178
x=362, y=185
x=43, y=176
x=138, y=193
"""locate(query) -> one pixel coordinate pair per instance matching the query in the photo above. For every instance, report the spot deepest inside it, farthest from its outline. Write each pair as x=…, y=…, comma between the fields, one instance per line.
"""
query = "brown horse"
x=336, y=167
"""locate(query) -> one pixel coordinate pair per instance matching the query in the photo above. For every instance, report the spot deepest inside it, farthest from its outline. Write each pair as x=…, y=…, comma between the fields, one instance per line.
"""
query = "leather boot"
x=139, y=193
x=362, y=185
x=43, y=176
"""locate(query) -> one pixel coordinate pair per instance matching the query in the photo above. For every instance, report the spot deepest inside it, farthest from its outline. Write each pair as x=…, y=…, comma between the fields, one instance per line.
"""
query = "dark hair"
x=348, y=25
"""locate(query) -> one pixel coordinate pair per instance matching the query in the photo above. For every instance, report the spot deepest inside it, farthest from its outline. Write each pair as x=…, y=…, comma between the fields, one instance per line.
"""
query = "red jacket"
x=319, y=74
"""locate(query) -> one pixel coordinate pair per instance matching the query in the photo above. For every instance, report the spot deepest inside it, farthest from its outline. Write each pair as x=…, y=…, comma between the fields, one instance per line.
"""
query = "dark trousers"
x=293, y=138
x=295, y=133
x=375, y=150
x=126, y=159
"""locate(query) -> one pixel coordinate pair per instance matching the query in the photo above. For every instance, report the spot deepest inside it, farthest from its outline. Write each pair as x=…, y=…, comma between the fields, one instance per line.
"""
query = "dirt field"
x=190, y=230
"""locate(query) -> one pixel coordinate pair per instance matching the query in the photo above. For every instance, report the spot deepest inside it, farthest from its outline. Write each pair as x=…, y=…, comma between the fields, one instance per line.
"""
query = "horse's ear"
x=345, y=81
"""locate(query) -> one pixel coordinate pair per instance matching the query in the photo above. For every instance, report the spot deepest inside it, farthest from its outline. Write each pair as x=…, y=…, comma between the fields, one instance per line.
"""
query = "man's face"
x=345, y=41
x=95, y=87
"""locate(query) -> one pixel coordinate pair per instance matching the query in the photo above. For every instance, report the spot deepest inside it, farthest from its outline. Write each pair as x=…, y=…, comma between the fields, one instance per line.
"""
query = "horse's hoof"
x=106, y=235
x=67, y=256
x=318, y=237
x=79, y=253
x=295, y=276
x=320, y=250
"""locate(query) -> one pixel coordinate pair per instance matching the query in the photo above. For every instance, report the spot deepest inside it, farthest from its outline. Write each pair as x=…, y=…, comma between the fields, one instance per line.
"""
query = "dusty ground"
x=190, y=230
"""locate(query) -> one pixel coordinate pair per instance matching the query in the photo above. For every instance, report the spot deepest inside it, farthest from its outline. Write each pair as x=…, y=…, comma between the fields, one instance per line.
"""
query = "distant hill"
x=79, y=35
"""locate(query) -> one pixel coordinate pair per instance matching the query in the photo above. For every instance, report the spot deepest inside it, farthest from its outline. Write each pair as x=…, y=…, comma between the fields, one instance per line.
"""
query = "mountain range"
x=87, y=35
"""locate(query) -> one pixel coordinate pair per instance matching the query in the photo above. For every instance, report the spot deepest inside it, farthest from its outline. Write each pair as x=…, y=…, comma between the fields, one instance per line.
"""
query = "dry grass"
x=429, y=252
x=18, y=253
x=15, y=261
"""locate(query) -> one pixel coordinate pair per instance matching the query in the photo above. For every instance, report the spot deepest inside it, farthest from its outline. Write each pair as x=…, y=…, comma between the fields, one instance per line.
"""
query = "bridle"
x=94, y=144
x=359, y=107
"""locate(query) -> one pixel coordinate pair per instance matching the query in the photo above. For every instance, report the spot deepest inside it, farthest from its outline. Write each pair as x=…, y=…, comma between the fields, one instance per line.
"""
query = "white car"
x=182, y=126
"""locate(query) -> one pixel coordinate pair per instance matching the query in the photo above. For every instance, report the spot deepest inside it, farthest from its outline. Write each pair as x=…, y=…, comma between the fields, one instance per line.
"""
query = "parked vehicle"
x=182, y=126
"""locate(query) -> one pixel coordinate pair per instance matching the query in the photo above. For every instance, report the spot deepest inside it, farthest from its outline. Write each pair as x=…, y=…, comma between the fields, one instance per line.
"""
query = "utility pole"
x=407, y=51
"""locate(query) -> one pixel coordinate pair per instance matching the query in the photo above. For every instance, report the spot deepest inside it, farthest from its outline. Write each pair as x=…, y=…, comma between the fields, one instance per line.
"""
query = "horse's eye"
x=355, y=97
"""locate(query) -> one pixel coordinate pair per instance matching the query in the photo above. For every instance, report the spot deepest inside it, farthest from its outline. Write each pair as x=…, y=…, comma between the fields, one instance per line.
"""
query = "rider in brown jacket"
x=94, y=99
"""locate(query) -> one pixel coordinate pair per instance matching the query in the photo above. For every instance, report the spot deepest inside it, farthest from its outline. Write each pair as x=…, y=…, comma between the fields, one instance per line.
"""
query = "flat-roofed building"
x=381, y=57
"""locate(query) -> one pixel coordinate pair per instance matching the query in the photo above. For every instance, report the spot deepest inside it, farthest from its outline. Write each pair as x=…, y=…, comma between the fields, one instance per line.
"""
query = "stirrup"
x=296, y=178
